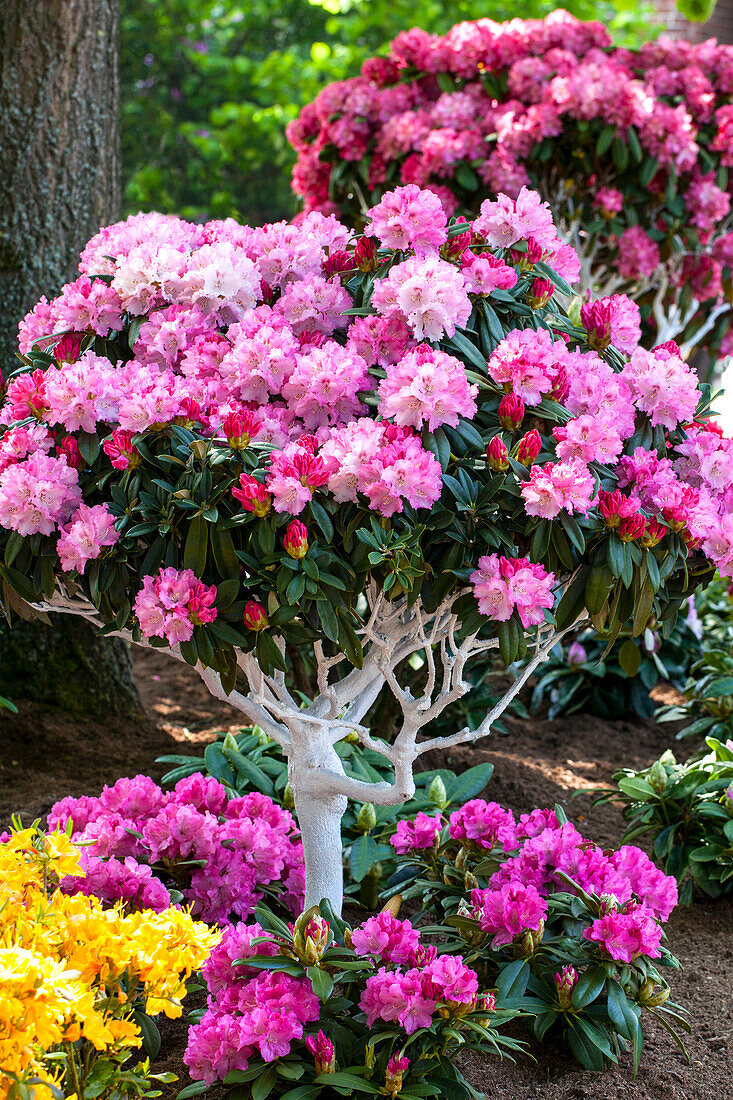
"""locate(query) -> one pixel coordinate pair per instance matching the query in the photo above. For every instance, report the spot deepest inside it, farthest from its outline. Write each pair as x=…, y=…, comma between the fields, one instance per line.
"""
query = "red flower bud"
x=67, y=349
x=121, y=451
x=632, y=527
x=497, y=454
x=529, y=447
x=540, y=293
x=455, y=246
x=596, y=320
x=191, y=412
x=614, y=507
x=671, y=346
x=255, y=616
x=240, y=428
x=365, y=254
x=653, y=534
x=528, y=259
x=70, y=449
x=267, y=294
x=561, y=386
x=511, y=412
x=338, y=261
x=296, y=539
x=252, y=495
x=311, y=338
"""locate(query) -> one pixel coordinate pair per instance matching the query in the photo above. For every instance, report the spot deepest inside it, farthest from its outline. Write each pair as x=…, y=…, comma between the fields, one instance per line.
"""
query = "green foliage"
x=208, y=87
x=707, y=706
x=697, y=11
x=251, y=761
x=687, y=810
x=584, y=678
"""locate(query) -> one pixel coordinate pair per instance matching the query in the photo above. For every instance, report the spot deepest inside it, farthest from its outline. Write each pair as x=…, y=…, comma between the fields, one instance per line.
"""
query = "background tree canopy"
x=208, y=86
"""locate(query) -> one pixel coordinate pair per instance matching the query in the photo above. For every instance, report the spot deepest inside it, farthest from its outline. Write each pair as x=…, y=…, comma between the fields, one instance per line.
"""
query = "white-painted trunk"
x=319, y=819
x=319, y=809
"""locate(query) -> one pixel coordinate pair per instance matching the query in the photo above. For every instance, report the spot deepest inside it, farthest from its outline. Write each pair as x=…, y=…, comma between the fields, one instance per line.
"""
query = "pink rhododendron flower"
x=662, y=385
x=503, y=222
x=171, y=604
x=485, y=824
x=84, y=538
x=408, y=218
x=558, y=486
x=38, y=494
x=428, y=292
x=503, y=584
x=528, y=362
x=392, y=940
x=420, y=832
x=427, y=387
x=625, y=935
x=507, y=912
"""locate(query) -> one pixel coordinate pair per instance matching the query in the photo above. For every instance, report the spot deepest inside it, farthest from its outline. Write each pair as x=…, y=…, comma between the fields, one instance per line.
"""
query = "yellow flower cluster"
x=73, y=972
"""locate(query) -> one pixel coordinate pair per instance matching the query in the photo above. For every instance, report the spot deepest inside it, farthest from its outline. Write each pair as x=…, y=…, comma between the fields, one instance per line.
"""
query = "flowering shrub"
x=251, y=761
x=237, y=443
x=371, y=1010
x=564, y=931
x=687, y=810
x=79, y=984
x=631, y=147
x=582, y=677
x=149, y=848
x=707, y=704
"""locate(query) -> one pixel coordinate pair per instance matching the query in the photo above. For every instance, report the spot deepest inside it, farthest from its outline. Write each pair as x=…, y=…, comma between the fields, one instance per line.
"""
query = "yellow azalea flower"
x=63, y=853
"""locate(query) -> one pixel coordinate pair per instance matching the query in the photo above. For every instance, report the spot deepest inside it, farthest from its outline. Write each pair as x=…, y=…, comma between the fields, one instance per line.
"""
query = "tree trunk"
x=58, y=183
x=64, y=666
x=319, y=812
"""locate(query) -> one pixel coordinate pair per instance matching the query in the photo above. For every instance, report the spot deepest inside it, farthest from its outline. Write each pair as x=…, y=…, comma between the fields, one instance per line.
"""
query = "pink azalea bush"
x=494, y=107
x=368, y=1008
x=149, y=848
x=546, y=910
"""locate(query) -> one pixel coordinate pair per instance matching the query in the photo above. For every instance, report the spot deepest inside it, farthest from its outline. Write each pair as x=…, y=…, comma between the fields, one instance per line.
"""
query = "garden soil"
x=45, y=756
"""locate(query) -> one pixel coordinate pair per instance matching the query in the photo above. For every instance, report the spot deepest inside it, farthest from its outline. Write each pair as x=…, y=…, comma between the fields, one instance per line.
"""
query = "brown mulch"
x=44, y=757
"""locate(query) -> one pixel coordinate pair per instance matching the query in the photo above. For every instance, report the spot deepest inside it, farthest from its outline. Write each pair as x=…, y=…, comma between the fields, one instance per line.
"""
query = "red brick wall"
x=719, y=26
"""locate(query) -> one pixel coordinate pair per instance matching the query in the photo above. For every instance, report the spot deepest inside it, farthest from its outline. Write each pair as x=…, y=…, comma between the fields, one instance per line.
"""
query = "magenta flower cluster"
x=140, y=842
x=540, y=857
x=250, y=1011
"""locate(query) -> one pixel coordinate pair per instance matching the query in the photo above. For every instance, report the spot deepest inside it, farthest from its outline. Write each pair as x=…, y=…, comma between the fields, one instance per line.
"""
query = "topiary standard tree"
x=632, y=149
x=239, y=445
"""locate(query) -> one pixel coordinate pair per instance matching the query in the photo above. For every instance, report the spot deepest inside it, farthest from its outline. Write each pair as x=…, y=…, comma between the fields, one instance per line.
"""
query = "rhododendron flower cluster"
x=140, y=845
x=495, y=107
x=537, y=856
x=503, y=584
x=169, y=605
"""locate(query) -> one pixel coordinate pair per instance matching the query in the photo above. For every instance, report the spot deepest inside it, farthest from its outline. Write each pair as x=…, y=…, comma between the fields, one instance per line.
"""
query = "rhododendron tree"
x=631, y=147
x=280, y=451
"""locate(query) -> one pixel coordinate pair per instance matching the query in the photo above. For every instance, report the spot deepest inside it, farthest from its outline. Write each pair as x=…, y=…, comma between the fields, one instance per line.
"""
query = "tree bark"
x=59, y=102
